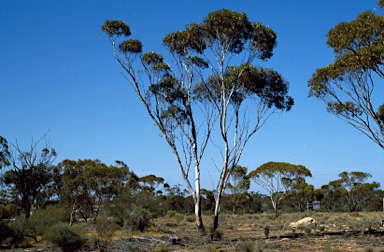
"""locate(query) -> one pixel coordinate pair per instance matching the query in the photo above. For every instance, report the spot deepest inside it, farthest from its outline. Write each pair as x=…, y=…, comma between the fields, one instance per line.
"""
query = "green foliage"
x=162, y=247
x=171, y=213
x=245, y=246
x=346, y=85
x=266, y=231
x=65, y=237
x=171, y=96
x=369, y=248
x=116, y=28
x=5, y=155
x=105, y=229
x=5, y=231
x=8, y=211
x=349, y=190
x=215, y=233
x=208, y=213
x=190, y=218
x=31, y=175
x=138, y=219
x=178, y=217
x=278, y=178
x=131, y=46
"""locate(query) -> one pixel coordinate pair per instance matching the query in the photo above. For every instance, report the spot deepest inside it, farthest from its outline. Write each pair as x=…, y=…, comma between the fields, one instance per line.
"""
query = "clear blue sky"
x=57, y=75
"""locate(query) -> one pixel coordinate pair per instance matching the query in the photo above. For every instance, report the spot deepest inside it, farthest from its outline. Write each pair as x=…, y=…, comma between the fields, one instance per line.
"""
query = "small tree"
x=277, y=179
x=351, y=189
x=239, y=184
x=30, y=173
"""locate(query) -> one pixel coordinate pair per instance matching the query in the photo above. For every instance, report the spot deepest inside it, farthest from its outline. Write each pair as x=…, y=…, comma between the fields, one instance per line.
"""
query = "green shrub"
x=105, y=228
x=208, y=213
x=266, y=231
x=61, y=212
x=5, y=231
x=138, y=219
x=171, y=213
x=190, y=218
x=20, y=227
x=7, y=211
x=162, y=247
x=246, y=246
x=64, y=236
x=369, y=248
x=178, y=217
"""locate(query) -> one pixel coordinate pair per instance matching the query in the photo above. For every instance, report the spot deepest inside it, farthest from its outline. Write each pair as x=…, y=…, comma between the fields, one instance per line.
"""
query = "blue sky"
x=57, y=75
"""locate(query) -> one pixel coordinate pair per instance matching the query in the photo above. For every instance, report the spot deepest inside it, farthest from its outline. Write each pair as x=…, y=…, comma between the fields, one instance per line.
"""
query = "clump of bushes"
x=138, y=219
x=64, y=236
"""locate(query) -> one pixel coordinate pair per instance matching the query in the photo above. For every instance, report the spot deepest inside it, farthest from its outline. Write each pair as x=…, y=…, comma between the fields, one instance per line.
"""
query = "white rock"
x=303, y=222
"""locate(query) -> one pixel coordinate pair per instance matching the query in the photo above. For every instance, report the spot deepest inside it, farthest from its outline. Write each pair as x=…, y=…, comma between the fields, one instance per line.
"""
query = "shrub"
x=138, y=219
x=171, y=213
x=5, y=231
x=7, y=211
x=215, y=233
x=369, y=248
x=246, y=246
x=208, y=213
x=190, y=218
x=162, y=247
x=105, y=229
x=266, y=231
x=179, y=217
x=65, y=237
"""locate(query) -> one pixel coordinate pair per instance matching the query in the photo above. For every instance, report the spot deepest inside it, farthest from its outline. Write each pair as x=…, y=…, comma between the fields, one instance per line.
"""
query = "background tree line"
x=31, y=183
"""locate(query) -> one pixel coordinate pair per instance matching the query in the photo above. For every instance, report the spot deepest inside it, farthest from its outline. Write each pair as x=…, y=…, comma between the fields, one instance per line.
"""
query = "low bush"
x=138, y=219
x=190, y=218
x=162, y=247
x=5, y=231
x=178, y=217
x=171, y=213
x=246, y=246
x=208, y=213
x=64, y=236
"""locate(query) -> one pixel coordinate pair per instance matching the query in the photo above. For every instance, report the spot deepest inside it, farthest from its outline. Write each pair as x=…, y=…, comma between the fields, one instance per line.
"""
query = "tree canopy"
x=346, y=85
x=178, y=95
x=278, y=179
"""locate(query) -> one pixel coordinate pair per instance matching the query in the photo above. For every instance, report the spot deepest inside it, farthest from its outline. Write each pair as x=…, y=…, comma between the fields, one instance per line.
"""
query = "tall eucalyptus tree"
x=175, y=98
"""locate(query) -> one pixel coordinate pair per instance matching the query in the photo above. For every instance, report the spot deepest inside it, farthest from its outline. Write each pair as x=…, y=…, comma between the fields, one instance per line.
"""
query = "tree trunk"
x=97, y=210
x=26, y=205
x=73, y=215
x=217, y=205
x=276, y=210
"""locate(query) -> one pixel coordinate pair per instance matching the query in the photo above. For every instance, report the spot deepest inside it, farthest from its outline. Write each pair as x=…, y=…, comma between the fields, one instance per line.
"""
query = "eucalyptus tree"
x=278, y=179
x=347, y=85
x=238, y=184
x=30, y=173
x=175, y=98
x=168, y=96
x=244, y=96
x=88, y=183
x=353, y=190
